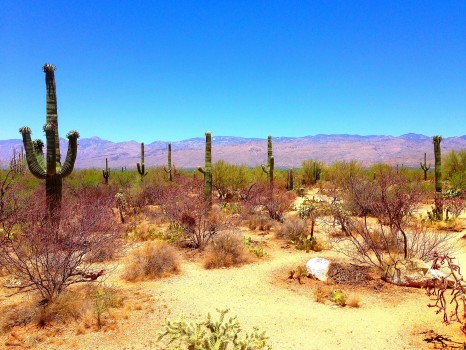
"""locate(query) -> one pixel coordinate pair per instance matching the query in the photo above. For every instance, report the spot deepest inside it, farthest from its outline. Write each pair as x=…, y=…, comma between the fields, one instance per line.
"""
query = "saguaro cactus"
x=50, y=168
x=424, y=166
x=169, y=170
x=207, y=170
x=106, y=172
x=268, y=169
x=289, y=181
x=438, y=177
x=141, y=167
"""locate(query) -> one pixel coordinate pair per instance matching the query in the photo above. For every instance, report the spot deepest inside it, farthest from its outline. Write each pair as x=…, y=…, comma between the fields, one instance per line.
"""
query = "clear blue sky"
x=170, y=70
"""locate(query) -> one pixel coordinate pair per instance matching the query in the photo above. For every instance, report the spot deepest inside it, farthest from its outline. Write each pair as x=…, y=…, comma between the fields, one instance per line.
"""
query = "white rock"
x=318, y=268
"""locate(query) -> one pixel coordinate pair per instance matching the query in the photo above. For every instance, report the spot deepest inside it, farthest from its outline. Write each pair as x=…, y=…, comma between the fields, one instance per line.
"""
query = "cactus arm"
x=201, y=170
x=265, y=168
x=68, y=165
x=34, y=166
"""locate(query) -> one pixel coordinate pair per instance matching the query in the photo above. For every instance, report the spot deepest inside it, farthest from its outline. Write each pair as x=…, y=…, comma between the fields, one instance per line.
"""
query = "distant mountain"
x=406, y=149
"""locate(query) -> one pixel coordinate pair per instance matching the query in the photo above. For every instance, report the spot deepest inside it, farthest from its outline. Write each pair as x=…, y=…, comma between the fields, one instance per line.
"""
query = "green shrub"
x=338, y=297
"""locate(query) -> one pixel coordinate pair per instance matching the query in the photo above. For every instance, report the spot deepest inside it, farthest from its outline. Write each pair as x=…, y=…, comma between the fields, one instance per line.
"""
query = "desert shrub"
x=210, y=334
x=353, y=301
x=259, y=222
x=276, y=203
x=255, y=247
x=321, y=295
x=94, y=300
x=293, y=229
x=299, y=273
x=186, y=207
x=452, y=284
x=297, y=232
x=225, y=250
x=454, y=168
x=152, y=260
x=338, y=297
x=311, y=171
x=391, y=199
x=48, y=256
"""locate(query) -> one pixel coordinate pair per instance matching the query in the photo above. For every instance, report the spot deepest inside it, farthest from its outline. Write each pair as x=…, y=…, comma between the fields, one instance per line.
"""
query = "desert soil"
x=261, y=295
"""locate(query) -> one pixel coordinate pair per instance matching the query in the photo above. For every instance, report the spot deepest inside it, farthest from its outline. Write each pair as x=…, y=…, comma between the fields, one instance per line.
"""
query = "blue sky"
x=170, y=70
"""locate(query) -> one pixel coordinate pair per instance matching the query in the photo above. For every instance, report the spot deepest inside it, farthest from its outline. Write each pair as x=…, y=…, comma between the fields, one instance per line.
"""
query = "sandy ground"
x=261, y=295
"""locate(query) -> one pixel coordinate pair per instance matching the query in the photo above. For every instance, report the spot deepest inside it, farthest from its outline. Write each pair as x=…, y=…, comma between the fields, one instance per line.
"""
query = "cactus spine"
x=106, y=172
x=207, y=170
x=268, y=169
x=169, y=170
x=141, y=167
x=50, y=168
x=424, y=167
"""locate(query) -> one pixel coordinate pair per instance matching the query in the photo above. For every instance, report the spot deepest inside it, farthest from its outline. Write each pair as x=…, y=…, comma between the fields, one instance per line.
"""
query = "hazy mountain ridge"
x=406, y=149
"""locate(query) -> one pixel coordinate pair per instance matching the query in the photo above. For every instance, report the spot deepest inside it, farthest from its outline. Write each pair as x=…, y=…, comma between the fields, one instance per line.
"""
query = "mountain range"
x=407, y=150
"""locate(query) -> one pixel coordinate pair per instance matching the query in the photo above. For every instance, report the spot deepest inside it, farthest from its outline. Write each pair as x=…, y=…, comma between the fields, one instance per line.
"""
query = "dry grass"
x=353, y=301
x=86, y=305
x=153, y=260
x=227, y=249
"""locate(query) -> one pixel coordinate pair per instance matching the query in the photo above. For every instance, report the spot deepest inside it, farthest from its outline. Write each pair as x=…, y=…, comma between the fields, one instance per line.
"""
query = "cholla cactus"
x=50, y=168
x=121, y=205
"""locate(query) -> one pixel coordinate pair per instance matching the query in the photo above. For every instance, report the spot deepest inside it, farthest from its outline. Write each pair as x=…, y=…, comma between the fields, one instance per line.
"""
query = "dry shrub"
x=227, y=249
x=293, y=229
x=86, y=304
x=321, y=294
x=260, y=222
x=152, y=260
x=353, y=301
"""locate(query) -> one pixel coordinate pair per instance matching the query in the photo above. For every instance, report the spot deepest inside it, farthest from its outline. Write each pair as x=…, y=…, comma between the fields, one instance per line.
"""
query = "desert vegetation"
x=93, y=247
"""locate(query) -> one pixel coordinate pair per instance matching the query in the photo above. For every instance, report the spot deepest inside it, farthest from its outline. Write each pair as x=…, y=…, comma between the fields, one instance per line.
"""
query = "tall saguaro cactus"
x=289, y=181
x=141, y=167
x=207, y=170
x=169, y=170
x=268, y=169
x=50, y=168
x=438, y=177
x=424, y=167
x=106, y=172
